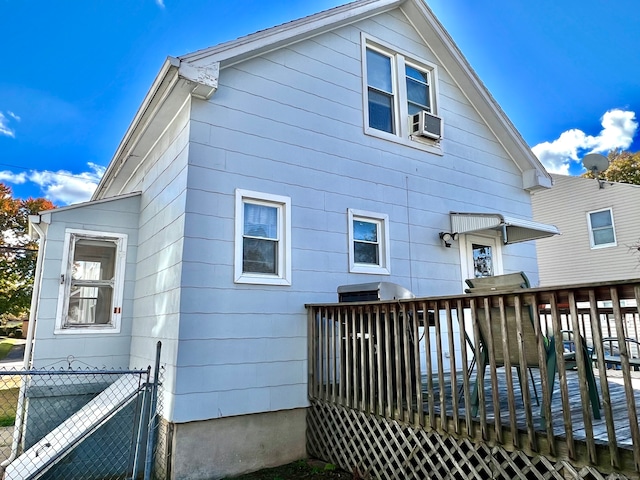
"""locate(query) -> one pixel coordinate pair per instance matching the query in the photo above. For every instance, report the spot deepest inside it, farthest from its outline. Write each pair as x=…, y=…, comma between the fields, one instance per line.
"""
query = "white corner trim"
x=205, y=76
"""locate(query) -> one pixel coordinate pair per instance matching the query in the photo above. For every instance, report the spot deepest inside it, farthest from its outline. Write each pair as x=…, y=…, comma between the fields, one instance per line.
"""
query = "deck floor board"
x=618, y=400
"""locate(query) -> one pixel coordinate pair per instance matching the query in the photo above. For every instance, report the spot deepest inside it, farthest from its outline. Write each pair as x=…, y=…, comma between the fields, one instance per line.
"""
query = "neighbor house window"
x=263, y=245
x=397, y=86
x=368, y=242
x=91, y=282
x=601, y=230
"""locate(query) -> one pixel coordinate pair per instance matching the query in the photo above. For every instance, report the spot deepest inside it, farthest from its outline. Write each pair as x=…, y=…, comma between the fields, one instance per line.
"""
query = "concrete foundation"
x=223, y=447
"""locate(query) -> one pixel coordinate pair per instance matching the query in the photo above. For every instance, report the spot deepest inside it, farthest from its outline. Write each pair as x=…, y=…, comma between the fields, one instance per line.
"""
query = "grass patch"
x=5, y=346
x=8, y=406
x=7, y=420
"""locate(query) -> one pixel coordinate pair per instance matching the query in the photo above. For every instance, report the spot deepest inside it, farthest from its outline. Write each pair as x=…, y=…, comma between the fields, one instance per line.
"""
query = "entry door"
x=482, y=256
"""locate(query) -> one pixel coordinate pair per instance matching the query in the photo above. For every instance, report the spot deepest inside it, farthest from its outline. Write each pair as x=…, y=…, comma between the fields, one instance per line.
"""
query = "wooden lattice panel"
x=379, y=448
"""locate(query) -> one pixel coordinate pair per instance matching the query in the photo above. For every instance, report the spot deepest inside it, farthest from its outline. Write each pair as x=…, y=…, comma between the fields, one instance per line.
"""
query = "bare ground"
x=302, y=470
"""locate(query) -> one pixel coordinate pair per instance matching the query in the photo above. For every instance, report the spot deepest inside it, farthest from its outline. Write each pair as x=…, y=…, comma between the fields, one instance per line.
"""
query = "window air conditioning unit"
x=426, y=124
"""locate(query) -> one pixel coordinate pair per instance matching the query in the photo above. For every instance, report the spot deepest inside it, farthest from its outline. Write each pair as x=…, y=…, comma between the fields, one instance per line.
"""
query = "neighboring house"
x=258, y=176
x=599, y=226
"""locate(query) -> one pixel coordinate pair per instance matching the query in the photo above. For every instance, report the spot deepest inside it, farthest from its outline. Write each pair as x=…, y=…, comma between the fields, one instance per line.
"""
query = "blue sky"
x=73, y=74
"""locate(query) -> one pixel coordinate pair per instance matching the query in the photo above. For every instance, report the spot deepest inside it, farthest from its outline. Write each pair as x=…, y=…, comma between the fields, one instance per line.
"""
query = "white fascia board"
x=291, y=32
x=90, y=203
x=453, y=61
x=203, y=77
x=533, y=180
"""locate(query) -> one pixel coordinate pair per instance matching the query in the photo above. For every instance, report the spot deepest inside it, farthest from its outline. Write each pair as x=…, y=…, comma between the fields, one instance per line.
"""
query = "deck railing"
x=416, y=361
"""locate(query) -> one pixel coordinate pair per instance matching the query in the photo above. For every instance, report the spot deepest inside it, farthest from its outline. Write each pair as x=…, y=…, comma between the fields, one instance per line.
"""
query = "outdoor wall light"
x=447, y=238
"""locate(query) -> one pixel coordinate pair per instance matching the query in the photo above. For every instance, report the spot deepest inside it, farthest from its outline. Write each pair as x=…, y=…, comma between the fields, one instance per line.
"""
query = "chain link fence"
x=80, y=424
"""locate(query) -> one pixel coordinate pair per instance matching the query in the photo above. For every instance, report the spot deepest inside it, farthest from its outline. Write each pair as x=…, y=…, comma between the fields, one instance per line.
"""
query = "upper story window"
x=381, y=96
x=601, y=229
x=263, y=238
x=368, y=242
x=91, y=282
x=418, y=90
x=398, y=88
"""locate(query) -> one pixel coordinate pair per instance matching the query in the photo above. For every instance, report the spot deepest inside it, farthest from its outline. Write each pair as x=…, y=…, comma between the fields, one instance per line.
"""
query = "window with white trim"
x=368, y=242
x=397, y=86
x=263, y=238
x=601, y=229
x=91, y=282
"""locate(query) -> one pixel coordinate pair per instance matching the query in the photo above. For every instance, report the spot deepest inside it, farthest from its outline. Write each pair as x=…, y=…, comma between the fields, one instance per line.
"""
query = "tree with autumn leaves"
x=18, y=253
x=624, y=167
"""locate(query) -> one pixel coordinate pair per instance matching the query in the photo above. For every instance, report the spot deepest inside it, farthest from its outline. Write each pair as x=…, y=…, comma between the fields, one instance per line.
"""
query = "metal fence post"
x=152, y=416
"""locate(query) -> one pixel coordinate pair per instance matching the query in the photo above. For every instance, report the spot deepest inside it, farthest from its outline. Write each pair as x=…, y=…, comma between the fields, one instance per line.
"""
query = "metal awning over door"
x=513, y=229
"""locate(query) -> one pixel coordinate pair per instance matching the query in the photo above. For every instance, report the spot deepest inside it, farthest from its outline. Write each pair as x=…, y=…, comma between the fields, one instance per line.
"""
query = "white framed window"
x=262, y=239
x=396, y=86
x=368, y=242
x=601, y=229
x=91, y=282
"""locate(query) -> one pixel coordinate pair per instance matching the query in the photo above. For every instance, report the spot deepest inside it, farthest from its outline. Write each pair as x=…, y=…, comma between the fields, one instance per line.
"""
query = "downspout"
x=34, y=221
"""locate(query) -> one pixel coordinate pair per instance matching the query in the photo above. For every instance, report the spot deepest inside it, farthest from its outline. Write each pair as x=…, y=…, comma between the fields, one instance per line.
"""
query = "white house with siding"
x=261, y=174
x=600, y=231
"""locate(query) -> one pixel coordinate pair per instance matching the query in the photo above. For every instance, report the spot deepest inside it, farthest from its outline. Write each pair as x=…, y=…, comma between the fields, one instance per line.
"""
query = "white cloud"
x=66, y=187
x=618, y=130
x=160, y=3
x=4, y=127
x=12, y=177
x=62, y=186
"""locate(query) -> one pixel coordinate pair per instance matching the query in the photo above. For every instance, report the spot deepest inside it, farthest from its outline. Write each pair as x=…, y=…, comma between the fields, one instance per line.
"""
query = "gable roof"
x=197, y=74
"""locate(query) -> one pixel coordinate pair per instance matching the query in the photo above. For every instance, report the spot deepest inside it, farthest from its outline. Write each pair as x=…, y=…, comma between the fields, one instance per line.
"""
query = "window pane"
x=380, y=111
x=259, y=256
x=601, y=219
x=379, y=71
x=260, y=221
x=603, y=236
x=416, y=74
x=482, y=261
x=366, y=231
x=418, y=95
x=417, y=90
x=93, y=260
x=366, y=253
x=89, y=305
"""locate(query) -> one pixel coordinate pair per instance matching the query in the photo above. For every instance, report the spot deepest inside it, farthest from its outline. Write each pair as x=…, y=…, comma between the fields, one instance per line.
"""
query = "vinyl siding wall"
x=569, y=258
x=163, y=181
x=108, y=350
x=290, y=123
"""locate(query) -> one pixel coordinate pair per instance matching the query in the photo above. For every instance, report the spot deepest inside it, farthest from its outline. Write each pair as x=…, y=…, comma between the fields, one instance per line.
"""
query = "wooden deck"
x=616, y=392
x=367, y=364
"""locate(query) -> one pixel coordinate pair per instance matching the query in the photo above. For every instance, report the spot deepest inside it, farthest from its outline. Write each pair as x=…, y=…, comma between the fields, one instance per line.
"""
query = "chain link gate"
x=84, y=424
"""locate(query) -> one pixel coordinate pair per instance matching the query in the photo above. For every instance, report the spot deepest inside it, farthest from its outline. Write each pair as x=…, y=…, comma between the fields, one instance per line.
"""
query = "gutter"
x=34, y=222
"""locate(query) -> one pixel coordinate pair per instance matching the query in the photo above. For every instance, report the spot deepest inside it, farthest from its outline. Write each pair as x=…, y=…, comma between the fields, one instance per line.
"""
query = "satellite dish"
x=595, y=162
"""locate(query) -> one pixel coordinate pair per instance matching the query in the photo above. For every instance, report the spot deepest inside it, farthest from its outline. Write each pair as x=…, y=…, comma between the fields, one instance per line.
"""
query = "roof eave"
x=291, y=32
x=164, y=81
x=534, y=175
x=174, y=79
